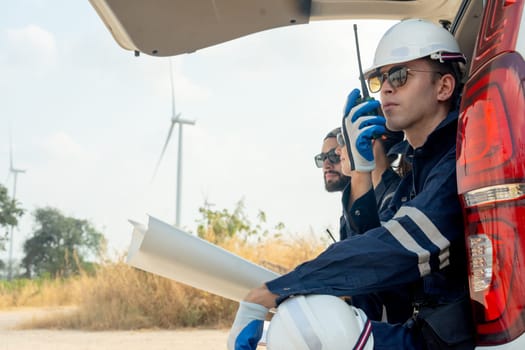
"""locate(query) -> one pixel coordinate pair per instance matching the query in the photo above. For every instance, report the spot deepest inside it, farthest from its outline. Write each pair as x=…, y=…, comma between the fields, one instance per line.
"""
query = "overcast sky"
x=88, y=120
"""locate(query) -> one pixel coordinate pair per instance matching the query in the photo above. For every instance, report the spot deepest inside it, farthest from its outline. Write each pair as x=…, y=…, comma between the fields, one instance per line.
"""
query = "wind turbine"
x=175, y=119
x=15, y=172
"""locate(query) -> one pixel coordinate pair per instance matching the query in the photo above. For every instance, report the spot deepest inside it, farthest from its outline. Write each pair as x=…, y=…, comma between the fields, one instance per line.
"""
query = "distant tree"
x=218, y=225
x=9, y=214
x=60, y=245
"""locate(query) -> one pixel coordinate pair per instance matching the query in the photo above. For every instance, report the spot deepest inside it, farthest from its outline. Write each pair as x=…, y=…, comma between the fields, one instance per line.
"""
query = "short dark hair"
x=332, y=133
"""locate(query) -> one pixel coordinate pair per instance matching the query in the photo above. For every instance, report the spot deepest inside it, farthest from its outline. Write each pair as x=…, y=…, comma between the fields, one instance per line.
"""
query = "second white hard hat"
x=319, y=322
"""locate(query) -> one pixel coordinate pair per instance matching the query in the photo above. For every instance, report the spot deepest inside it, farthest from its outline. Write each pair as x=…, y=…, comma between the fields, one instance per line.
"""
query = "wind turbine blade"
x=172, y=91
x=163, y=149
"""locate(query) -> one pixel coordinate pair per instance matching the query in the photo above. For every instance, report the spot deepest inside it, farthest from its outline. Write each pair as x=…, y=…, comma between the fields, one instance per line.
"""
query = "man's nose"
x=386, y=87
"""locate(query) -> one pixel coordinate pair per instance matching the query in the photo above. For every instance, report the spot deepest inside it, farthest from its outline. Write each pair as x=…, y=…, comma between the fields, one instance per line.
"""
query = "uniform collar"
x=440, y=139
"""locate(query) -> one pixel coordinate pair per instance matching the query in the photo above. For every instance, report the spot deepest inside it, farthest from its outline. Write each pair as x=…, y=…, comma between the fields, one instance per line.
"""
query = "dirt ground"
x=11, y=339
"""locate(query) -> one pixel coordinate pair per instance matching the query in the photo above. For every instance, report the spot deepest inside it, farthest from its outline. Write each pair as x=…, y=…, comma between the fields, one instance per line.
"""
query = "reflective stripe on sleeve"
x=431, y=232
x=410, y=244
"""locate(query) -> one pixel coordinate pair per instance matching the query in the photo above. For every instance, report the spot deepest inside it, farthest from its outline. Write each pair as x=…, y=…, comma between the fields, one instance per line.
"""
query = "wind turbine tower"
x=15, y=172
x=175, y=119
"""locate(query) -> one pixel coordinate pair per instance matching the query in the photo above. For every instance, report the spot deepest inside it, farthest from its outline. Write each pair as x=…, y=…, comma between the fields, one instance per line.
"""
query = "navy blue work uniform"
x=417, y=241
x=397, y=303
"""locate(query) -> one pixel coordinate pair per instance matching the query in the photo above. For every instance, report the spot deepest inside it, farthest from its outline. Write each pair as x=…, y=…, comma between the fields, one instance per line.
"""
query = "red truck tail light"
x=496, y=242
x=491, y=175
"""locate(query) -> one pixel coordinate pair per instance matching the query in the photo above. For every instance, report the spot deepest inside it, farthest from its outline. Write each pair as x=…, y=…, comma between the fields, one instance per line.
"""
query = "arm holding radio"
x=360, y=129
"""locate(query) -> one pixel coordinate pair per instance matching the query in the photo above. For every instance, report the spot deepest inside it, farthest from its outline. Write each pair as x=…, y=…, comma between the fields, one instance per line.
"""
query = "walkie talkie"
x=364, y=88
x=365, y=94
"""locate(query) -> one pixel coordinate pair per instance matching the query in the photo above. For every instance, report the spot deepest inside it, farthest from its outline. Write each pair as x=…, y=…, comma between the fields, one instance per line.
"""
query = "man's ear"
x=445, y=87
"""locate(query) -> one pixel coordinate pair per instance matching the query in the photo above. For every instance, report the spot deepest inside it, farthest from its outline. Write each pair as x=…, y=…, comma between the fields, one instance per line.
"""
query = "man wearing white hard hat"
x=418, y=243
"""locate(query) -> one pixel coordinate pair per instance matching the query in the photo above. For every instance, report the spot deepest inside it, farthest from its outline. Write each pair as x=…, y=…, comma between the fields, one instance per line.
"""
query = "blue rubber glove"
x=359, y=129
x=247, y=328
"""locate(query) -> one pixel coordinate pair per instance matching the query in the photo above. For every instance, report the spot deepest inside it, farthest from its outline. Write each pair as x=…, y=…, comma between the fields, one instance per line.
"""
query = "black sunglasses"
x=396, y=76
x=330, y=155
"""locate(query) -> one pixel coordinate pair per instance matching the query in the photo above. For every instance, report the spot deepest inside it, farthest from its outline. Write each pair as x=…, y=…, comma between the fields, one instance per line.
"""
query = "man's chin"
x=336, y=186
x=392, y=125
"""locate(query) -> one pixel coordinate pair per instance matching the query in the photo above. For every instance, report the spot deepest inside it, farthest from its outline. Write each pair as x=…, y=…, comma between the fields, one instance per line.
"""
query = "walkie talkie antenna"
x=364, y=89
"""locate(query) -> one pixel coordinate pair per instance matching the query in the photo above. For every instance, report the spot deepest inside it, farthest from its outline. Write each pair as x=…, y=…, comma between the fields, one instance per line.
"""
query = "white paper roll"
x=169, y=252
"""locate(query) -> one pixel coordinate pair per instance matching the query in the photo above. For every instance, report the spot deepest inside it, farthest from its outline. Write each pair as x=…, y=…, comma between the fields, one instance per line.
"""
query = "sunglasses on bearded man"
x=330, y=155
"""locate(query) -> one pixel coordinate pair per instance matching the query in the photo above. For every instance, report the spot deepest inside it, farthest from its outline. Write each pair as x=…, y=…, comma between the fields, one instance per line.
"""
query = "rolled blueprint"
x=167, y=251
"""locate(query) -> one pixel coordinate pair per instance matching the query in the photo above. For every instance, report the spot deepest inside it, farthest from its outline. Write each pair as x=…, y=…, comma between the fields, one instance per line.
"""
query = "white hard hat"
x=319, y=322
x=412, y=39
